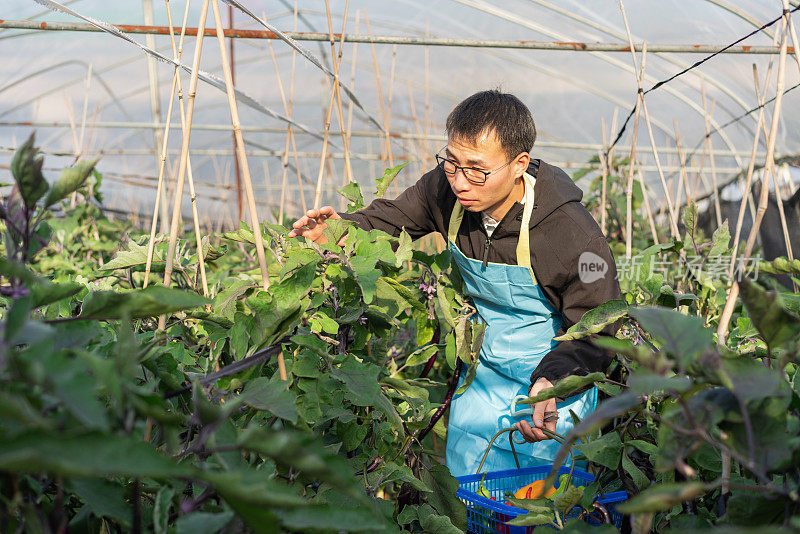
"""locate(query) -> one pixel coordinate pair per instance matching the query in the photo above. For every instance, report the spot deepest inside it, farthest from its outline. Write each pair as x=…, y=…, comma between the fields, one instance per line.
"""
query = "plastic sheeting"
x=89, y=93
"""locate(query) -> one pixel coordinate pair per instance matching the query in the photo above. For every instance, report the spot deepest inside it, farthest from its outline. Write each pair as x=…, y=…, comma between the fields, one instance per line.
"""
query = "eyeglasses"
x=476, y=176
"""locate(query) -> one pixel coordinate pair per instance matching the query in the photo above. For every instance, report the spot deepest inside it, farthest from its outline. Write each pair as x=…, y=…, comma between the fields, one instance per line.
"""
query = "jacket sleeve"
x=412, y=210
x=576, y=296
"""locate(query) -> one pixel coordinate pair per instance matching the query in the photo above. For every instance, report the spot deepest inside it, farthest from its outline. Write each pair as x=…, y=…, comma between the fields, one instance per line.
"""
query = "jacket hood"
x=553, y=189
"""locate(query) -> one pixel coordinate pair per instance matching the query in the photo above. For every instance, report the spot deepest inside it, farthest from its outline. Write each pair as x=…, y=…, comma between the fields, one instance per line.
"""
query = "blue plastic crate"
x=485, y=516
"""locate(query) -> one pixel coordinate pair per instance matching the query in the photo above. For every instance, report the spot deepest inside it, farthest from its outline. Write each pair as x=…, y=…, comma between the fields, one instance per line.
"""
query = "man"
x=526, y=286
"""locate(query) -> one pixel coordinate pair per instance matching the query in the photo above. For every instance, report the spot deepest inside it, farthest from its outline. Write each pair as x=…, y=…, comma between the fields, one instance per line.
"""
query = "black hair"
x=490, y=110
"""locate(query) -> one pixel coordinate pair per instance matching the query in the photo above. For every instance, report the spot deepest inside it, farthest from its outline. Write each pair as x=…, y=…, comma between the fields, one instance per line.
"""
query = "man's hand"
x=312, y=224
x=544, y=415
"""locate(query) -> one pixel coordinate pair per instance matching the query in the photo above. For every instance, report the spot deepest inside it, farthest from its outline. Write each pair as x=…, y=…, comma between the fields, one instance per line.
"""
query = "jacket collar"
x=553, y=189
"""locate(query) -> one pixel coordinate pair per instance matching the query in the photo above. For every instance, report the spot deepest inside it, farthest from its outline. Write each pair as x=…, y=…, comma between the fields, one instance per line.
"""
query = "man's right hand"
x=312, y=224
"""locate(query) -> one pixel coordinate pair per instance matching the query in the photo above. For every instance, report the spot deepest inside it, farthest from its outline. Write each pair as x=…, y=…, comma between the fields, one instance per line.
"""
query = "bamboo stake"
x=707, y=115
x=632, y=159
x=345, y=137
x=285, y=159
x=629, y=185
x=647, y=208
x=176, y=207
x=389, y=116
x=387, y=148
x=684, y=181
x=418, y=143
x=85, y=104
x=163, y=155
x=763, y=201
x=290, y=130
x=749, y=177
x=604, y=166
x=328, y=112
x=242, y=158
x=673, y=218
x=349, y=128
x=176, y=85
x=641, y=102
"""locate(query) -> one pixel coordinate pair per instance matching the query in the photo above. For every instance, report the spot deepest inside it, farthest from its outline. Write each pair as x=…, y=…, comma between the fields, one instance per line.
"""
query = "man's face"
x=485, y=154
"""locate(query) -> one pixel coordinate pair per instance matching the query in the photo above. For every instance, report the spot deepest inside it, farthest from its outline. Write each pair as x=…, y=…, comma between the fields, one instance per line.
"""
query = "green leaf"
x=388, y=177
x=404, y=250
x=645, y=383
x=754, y=510
x=106, y=499
x=684, y=336
x=421, y=355
x=779, y=266
x=538, y=506
x=16, y=317
x=134, y=255
x=644, y=446
x=302, y=453
x=86, y=455
x=595, y=320
x=391, y=288
x=366, y=275
x=443, y=496
x=149, y=302
x=605, y=450
x=768, y=313
x=202, y=523
x=564, y=387
x=720, y=240
x=70, y=381
x=360, y=379
x=472, y=372
x=336, y=229
x=27, y=170
x=70, y=180
x=661, y=497
x=639, y=478
x=161, y=509
x=352, y=192
x=47, y=293
x=333, y=518
x=567, y=499
x=272, y=396
x=690, y=220
x=532, y=519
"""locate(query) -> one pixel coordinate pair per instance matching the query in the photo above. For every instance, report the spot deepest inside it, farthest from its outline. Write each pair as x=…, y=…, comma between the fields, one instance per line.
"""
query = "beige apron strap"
x=455, y=222
x=523, y=244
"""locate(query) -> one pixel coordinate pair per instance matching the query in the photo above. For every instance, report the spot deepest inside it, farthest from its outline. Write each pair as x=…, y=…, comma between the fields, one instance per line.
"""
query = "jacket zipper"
x=486, y=250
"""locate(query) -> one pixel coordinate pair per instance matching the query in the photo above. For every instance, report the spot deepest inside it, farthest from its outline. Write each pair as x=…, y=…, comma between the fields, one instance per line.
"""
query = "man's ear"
x=521, y=163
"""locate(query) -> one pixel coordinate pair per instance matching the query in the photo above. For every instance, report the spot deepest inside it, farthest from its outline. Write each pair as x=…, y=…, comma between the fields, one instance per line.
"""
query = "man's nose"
x=460, y=181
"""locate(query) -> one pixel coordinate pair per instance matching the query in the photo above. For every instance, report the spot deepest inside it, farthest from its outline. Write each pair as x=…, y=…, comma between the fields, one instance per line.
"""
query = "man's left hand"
x=534, y=433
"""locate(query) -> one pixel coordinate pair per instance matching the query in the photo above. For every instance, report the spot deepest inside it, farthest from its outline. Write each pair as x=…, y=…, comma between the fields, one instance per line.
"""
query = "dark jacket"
x=561, y=229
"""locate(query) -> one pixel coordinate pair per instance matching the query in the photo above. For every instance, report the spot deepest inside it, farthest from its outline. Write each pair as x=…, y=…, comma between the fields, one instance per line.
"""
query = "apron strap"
x=523, y=244
x=455, y=222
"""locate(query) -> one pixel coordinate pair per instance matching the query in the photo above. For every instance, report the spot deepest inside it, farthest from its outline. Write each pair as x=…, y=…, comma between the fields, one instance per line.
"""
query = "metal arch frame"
x=501, y=13
x=662, y=55
x=114, y=99
x=588, y=88
x=716, y=2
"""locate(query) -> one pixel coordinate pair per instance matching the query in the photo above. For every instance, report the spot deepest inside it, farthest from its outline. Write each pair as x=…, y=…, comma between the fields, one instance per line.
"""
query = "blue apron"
x=520, y=326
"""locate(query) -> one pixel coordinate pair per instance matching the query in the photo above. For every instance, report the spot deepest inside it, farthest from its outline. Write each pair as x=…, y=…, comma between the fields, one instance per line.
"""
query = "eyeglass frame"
x=440, y=161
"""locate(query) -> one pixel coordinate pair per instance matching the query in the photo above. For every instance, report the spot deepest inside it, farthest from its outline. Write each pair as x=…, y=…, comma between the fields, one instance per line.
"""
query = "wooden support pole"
x=348, y=170
x=708, y=114
x=763, y=201
x=240, y=149
x=176, y=207
x=328, y=112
